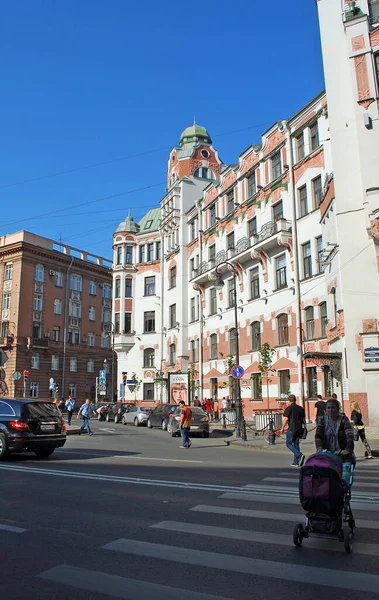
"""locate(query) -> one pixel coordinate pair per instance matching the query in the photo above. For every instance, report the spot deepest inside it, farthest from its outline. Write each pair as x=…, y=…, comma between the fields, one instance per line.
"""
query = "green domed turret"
x=128, y=225
x=195, y=133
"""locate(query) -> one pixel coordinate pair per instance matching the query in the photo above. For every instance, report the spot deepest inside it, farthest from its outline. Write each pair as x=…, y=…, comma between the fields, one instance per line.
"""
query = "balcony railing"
x=39, y=342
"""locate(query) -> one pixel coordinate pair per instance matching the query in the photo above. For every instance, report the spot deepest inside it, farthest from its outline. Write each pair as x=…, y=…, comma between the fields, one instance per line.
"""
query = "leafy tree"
x=265, y=367
x=193, y=382
x=229, y=363
x=137, y=383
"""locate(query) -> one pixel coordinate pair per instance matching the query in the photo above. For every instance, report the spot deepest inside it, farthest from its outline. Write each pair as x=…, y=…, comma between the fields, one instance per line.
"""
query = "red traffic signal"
x=26, y=373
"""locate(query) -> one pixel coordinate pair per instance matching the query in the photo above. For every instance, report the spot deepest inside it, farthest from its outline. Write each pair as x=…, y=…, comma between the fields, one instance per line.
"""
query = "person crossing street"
x=294, y=415
x=185, y=424
x=85, y=412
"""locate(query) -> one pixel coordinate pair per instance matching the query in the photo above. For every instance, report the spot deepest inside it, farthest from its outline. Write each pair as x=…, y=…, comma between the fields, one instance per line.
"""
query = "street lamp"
x=219, y=284
x=109, y=330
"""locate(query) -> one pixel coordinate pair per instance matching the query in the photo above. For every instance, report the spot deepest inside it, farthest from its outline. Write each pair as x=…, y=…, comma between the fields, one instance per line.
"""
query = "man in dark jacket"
x=294, y=415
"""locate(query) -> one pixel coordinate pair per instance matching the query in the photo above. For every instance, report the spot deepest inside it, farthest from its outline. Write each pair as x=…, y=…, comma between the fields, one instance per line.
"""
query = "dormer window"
x=149, y=224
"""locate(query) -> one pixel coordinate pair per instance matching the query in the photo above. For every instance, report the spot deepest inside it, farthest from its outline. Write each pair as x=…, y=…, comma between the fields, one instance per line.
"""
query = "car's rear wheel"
x=116, y=419
x=107, y=419
x=136, y=423
x=43, y=452
x=3, y=446
x=164, y=425
x=149, y=424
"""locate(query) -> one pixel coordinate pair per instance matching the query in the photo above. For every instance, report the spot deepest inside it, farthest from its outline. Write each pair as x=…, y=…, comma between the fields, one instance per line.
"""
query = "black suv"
x=30, y=426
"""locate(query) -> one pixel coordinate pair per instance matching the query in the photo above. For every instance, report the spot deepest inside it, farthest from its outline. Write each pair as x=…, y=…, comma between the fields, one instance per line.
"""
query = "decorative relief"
x=228, y=180
x=8, y=285
x=262, y=258
x=251, y=160
x=362, y=78
x=369, y=325
x=358, y=43
x=38, y=287
x=338, y=331
x=275, y=139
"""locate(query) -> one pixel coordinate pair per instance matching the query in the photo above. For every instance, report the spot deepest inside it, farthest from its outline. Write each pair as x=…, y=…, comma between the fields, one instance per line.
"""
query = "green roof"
x=195, y=133
x=151, y=221
x=128, y=225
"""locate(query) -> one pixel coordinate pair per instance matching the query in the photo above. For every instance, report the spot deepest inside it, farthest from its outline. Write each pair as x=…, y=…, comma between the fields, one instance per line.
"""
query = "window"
x=213, y=343
x=281, y=272
x=148, y=357
x=212, y=215
x=91, y=339
x=374, y=13
x=192, y=310
x=57, y=306
x=314, y=136
x=92, y=288
x=35, y=361
x=309, y=323
x=148, y=392
x=129, y=255
x=106, y=315
x=106, y=291
x=230, y=241
x=172, y=315
x=8, y=271
x=73, y=364
x=117, y=287
x=317, y=191
x=231, y=293
x=55, y=362
x=72, y=390
x=75, y=309
x=282, y=323
x=172, y=355
x=284, y=383
x=117, y=322
x=142, y=254
x=232, y=342
x=257, y=386
x=38, y=299
x=119, y=255
x=277, y=210
x=254, y=283
x=34, y=389
x=303, y=201
x=127, y=322
x=105, y=341
x=150, y=251
x=320, y=254
x=255, y=335
x=56, y=333
x=192, y=230
x=300, y=146
x=92, y=313
x=128, y=287
x=311, y=378
x=204, y=173
x=212, y=301
x=58, y=279
x=76, y=283
x=252, y=227
x=149, y=286
x=193, y=351
x=39, y=273
x=212, y=253
x=230, y=201
x=73, y=335
x=172, y=277
x=91, y=366
x=251, y=185
x=276, y=165
x=36, y=331
x=4, y=328
x=7, y=300
x=157, y=250
x=307, y=260
x=149, y=321
x=323, y=318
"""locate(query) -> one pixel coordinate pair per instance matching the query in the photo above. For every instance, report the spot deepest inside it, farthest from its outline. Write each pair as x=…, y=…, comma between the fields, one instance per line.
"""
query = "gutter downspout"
x=299, y=341
x=65, y=325
x=201, y=315
x=162, y=316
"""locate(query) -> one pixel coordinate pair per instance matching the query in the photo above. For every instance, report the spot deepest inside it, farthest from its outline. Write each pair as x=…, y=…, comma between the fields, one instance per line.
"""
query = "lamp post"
x=109, y=330
x=219, y=284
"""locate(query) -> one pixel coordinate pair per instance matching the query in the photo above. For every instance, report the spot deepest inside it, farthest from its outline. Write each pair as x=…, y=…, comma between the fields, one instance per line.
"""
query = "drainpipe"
x=201, y=324
x=162, y=316
x=299, y=340
x=65, y=324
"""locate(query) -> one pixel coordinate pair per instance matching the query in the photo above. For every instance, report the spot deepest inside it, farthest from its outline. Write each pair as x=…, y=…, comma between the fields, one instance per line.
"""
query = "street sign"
x=238, y=372
x=16, y=375
x=51, y=380
x=3, y=357
x=103, y=387
x=371, y=354
x=3, y=387
x=131, y=385
x=102, y=393
x=103, y=376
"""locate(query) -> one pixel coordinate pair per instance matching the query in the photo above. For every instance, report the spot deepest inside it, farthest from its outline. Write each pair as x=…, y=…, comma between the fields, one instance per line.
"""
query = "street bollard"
x=272, y=434
x=223, y=418
x=243, y=431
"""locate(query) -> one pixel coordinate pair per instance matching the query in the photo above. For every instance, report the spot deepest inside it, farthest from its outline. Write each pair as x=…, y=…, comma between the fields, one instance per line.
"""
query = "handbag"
x=305, y=432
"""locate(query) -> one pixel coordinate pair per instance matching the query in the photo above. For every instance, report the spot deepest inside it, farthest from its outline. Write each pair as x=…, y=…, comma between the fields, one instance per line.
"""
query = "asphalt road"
x=127, y=514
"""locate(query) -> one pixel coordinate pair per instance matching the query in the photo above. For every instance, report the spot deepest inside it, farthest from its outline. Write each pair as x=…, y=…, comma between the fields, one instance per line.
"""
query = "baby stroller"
x=325, y=490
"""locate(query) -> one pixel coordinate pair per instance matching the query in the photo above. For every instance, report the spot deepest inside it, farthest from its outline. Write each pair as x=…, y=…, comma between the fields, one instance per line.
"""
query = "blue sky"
x=116, y=82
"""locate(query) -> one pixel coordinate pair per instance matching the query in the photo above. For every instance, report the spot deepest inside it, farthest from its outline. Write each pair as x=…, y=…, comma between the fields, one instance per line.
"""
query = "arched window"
x=282, y=324
x=232, y=342
x=309, y=323
x=256, y=335
x=323, y=318
x=213, y=341
x=204, y=173
x=117, y=288
x=172, y=354
x=148, y=357
x=39, y=273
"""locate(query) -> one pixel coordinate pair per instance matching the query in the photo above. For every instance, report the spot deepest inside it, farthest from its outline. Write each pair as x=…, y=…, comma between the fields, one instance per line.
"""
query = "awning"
x=328, y=356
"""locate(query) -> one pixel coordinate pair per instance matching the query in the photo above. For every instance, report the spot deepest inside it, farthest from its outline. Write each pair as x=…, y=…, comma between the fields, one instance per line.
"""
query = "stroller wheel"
x=348, y=536
x=298, y=534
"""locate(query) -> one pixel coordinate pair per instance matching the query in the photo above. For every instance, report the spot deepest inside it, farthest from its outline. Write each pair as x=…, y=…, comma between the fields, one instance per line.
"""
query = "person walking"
x=334, y=432
x=85, y=412
x=185, y=424
x=209, y=408
x=196, y=401
x=320, y=408
x=294, y=415
x=70, y=403
x=356, y=419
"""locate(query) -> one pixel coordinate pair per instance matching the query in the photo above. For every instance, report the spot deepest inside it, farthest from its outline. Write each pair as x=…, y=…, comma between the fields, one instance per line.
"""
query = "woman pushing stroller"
x=335, y=433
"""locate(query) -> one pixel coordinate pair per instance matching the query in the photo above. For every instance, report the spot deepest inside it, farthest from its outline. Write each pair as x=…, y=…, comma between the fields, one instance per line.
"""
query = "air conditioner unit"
x=51, y=272
x=47, y=334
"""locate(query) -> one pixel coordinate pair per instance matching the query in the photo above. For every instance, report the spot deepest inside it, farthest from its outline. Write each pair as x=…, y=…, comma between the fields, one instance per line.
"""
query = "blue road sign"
x=103, y=376
x=238, y=372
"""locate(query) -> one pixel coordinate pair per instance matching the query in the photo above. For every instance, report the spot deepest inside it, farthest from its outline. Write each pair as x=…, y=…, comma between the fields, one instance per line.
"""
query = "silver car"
x=135, y=415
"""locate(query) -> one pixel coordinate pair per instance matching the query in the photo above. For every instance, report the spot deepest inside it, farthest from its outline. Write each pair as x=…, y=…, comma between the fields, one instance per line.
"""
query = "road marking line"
x=266, y=514
x=345, y=579
x=356, y=484
x=115, y=586
x=294, y=499
x=263, y=537
x=183, y=460
x=12, y=528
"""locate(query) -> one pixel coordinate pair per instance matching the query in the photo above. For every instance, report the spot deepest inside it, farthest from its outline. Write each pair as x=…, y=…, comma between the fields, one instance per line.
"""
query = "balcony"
x=38, y=342
x=123, y=342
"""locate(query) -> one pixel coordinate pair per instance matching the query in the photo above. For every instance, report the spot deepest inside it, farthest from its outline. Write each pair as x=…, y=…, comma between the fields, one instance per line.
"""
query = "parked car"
x=30, y=426
x=116, y=411
x=135, y=415
x=160, y=415
x=199, y=422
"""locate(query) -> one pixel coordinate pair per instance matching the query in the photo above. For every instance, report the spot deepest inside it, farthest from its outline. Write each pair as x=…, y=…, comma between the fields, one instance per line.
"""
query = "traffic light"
x=26, y=375
x=124, y=377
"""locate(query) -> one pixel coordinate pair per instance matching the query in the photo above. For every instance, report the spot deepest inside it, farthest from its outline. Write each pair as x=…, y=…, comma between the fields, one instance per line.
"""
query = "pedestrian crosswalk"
x=248, y=534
